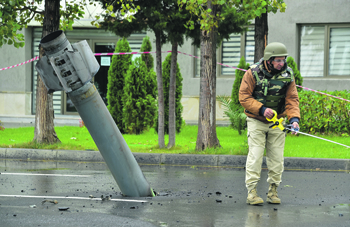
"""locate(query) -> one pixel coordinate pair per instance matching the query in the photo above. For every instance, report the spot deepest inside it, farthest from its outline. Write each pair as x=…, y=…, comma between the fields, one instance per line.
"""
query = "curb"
x=237, y=161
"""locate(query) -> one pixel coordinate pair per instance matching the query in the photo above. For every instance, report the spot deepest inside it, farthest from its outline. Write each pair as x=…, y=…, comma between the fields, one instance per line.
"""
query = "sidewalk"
x=230, y=161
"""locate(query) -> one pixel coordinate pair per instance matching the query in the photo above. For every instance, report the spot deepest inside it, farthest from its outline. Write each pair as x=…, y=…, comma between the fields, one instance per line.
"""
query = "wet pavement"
x=187, y=196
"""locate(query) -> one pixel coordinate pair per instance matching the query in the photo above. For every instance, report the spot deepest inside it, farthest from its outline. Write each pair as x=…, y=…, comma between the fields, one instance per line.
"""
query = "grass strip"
x=76, y=138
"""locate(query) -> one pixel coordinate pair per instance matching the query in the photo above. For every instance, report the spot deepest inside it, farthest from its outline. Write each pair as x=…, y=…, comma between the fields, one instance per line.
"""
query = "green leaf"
x=257, y=12
x=110, y=8
x=221, y=2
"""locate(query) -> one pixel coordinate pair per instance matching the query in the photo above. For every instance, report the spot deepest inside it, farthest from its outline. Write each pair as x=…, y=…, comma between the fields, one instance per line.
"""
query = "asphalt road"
x=187, y=196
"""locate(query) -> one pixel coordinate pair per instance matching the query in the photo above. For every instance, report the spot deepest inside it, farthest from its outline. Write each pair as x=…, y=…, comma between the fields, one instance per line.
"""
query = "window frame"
x=326, y=45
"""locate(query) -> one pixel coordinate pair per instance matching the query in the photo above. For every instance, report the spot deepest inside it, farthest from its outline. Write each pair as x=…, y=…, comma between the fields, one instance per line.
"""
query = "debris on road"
x=49, y=201
x=105, y=198
x=63, y=208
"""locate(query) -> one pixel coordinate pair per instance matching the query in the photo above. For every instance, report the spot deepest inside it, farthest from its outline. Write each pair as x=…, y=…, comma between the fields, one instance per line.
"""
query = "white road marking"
x=41, y=174
x=79, y=198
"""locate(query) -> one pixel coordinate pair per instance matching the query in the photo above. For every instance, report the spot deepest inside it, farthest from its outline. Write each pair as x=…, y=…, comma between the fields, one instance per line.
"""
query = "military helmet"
x=275, y=50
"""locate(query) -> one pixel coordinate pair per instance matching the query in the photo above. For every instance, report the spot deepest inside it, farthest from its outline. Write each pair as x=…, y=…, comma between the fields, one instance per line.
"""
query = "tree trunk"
x=207, y=136
x=172, y=91
x=44, y=131
x=161, y=142
x=261, y=32
x=214, y=137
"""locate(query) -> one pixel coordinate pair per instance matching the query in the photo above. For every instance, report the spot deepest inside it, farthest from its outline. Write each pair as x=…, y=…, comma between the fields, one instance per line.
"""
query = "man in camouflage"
x=268, y=86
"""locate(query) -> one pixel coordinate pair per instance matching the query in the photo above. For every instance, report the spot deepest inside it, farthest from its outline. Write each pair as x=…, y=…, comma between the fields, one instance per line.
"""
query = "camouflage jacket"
x=259, y=88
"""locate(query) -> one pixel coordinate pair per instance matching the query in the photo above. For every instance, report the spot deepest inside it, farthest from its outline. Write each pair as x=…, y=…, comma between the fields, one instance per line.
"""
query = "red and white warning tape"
x=147, y=52
x=152, y=52
x=10, y=67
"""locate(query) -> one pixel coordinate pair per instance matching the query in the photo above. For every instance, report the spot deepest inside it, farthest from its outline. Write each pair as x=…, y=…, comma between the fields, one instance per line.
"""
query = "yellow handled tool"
x=276, y=122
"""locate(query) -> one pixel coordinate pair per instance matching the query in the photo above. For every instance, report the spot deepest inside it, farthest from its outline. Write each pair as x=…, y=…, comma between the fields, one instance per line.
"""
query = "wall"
x=283, y=27
x=15, y=83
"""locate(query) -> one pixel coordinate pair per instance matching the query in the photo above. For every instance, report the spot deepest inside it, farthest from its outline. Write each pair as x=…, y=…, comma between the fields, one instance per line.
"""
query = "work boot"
x=272, y=196
x=253, y=198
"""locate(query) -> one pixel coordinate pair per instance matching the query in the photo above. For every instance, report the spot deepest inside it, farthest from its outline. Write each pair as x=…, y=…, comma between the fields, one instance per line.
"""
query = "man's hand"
x=268, y=113
x=296, y=126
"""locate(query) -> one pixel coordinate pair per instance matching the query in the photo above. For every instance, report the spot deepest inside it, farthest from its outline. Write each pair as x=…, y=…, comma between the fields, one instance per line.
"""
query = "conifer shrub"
x=147, y=58
x=298, y=78
x=166, y=67
x=233, y=108
x=139, y=99
x=116, y=80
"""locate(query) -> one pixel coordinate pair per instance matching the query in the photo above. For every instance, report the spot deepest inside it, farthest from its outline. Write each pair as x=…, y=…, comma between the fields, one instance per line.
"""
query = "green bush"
x=116, y=74
x=166, y=67
x=139, y=99
x=298, y=78
x=321, y=113
x=147, y=58
x=233, y=108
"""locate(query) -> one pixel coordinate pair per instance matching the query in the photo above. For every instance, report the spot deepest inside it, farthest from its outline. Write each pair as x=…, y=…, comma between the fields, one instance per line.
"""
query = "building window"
x=231, y=52
x=236, y=47
x=312, y=51
x=324, y=50
x=249, y=45
x=339, y=51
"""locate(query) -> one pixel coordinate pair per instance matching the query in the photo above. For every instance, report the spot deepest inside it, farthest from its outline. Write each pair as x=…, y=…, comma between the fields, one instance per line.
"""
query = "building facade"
x=316, y=33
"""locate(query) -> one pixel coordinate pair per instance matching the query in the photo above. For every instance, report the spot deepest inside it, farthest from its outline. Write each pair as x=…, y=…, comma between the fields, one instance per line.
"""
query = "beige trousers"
x=260, y=136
